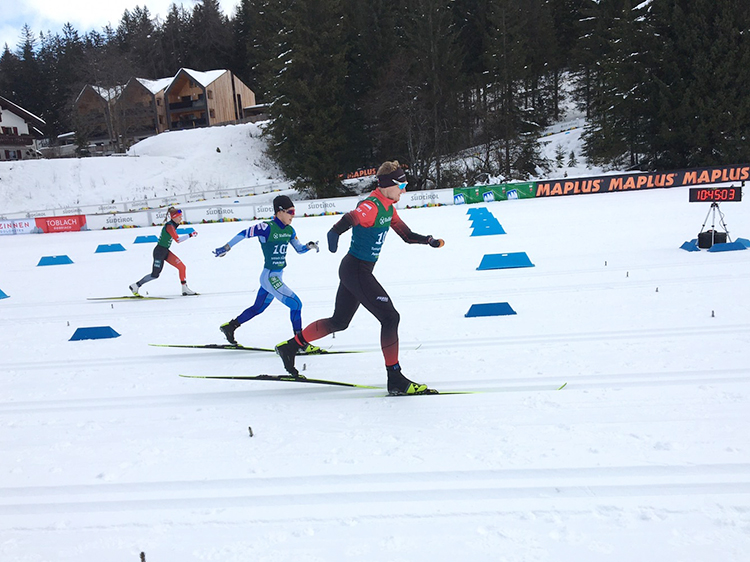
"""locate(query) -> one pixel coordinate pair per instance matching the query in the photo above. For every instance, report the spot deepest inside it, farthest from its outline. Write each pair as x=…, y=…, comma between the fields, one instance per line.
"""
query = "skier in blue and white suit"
x=274, y=235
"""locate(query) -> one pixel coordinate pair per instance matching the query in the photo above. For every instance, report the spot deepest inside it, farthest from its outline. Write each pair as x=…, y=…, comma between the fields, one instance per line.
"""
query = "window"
x=212, y=113
x=210, y=94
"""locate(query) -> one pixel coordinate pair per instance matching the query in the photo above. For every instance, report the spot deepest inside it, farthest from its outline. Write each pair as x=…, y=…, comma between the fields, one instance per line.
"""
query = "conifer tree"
x=173, y=36
x=306, y=131
x=210, y=40
x=28, y=74
x=618, y=107
x=701, y=83
x=137, y=40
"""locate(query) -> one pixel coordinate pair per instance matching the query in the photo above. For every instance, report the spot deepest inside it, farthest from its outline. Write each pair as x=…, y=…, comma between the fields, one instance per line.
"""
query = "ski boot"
x=228, y=330
x=309, y=349
x=287, y=351
x=187, y=291
x=399, y=385
x=134, y=289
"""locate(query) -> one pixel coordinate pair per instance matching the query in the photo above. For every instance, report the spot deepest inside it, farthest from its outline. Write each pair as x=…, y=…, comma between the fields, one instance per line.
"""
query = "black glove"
x=333, y=241
x=435, y=242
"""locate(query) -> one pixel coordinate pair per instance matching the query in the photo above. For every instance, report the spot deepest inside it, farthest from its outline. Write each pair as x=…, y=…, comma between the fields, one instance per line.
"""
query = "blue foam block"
x=3, y=295
x=187, y=230
x=94, y=333
x=101, y=248
x=728, y=246
x=54, y=260
x=691, y=246
x=487, y=228
x=505, y=261
x=490, y=309
x=145, y=239
x=474, y=211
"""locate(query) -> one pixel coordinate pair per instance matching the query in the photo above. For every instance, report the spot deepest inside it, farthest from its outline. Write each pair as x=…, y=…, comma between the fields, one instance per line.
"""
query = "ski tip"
x=563, y=386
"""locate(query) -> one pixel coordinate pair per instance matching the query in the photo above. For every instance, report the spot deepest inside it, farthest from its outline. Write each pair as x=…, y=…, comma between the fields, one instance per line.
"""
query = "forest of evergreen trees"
x=664, y=84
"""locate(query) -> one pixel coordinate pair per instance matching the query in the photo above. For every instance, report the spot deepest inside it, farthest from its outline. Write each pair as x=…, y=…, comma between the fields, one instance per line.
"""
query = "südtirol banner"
x=644, y=180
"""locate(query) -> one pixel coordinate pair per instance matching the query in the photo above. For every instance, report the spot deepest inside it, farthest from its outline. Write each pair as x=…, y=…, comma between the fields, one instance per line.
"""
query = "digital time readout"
x=715, y=194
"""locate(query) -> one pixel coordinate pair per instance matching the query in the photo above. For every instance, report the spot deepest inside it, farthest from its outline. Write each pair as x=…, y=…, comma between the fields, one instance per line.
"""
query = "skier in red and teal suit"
x=370, y=222
x=274, y=235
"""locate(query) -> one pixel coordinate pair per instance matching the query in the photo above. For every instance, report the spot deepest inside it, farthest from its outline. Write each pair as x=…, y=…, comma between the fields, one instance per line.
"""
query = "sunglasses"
x=402, y=185
x=289, y=212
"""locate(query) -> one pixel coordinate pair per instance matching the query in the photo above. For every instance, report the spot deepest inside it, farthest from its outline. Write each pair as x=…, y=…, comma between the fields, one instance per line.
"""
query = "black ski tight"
x=359, y=286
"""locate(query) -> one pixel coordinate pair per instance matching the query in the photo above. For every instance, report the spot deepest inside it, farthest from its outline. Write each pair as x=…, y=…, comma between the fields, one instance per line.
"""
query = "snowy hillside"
x=172, y=163
x=179, y=163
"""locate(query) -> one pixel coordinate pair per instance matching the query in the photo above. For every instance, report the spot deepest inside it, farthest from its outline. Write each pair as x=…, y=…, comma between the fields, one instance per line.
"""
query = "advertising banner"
x=73, y=223
x=425, y=198
x=496, y=192
x=644, y=180
x=326, y=206
x=19, y=226
x=218, y=213
x=117, y=220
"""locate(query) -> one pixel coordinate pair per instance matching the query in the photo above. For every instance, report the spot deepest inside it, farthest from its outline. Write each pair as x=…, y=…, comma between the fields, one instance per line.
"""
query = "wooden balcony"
x=16, y=140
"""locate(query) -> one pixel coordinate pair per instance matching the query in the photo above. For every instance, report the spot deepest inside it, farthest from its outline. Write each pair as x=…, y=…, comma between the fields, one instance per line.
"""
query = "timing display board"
x=715, y=194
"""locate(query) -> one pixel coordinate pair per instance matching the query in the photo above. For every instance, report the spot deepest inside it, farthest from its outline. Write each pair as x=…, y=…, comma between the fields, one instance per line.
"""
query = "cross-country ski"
x=239, y=347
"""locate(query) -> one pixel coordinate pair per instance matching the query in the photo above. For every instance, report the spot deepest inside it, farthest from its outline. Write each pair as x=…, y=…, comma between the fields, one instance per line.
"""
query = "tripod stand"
x=712, y=213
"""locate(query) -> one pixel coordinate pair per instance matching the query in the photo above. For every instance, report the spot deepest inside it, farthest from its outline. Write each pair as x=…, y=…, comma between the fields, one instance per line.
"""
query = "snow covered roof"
x=5, y=103
x=109, y=94
x=204, y=78
x=156, y=86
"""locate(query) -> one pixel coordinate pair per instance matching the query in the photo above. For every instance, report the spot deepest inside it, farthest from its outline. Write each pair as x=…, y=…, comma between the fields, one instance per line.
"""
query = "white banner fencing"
x=222, y=210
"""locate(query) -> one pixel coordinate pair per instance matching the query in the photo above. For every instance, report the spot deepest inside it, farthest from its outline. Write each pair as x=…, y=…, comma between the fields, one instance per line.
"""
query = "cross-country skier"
x=370, y=220
x=274, y=235
x=163, y=254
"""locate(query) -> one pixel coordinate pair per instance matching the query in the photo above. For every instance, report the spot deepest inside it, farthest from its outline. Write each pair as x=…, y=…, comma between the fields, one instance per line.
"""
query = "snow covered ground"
x=644, y=455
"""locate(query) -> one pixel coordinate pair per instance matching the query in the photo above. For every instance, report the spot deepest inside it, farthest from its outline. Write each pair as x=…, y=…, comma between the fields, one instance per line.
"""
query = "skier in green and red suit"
x=370, y=221
x=162, y=254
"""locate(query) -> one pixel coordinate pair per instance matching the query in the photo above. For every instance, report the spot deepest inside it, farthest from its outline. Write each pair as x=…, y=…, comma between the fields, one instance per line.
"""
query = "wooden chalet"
x=114, y=119
x=141, y=109
x=199, y=99
x=94, y=113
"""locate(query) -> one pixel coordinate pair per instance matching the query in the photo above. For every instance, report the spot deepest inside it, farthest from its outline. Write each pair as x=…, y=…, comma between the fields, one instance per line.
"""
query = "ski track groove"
x=514, y=278
x=576, y=383
x=398, y=490
x=567, y=337
x=415, y=346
